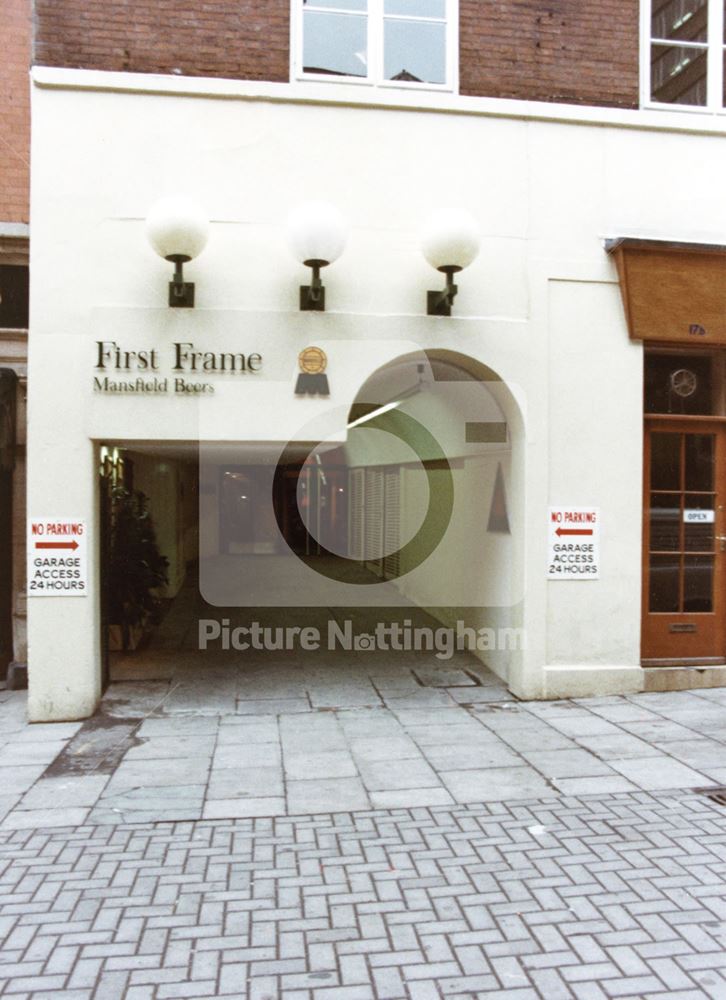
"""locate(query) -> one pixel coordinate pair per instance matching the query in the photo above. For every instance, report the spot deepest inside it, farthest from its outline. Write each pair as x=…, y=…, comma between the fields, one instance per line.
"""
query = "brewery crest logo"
x=312, y=380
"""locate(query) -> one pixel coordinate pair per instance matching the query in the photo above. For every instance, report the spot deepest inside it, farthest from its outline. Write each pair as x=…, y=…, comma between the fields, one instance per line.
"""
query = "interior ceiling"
x=402, y=374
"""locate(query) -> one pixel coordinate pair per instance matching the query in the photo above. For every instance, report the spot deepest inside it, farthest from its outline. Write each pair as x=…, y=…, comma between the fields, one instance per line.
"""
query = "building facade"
x=14, y=218
x=535, y=457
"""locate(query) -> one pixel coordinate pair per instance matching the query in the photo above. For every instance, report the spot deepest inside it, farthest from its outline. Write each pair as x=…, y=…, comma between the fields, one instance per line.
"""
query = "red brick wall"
x=575, y=51
x=14, y=110
x=578, y=51
x=236, y=39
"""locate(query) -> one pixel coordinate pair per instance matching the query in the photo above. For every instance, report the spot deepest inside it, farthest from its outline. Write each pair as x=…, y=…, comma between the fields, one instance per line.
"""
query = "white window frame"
x=374, y=77
x=715, y=60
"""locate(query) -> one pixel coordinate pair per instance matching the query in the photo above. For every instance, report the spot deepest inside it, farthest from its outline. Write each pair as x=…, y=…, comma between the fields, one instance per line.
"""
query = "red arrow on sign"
x=56, y=545
x=574, y=531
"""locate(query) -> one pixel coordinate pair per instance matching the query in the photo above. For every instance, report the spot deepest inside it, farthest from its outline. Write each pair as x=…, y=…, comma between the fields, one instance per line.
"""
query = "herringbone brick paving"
x=589, y=898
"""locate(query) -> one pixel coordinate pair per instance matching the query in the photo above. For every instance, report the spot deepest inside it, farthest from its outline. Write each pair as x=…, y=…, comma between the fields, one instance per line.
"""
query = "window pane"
x=698, y=583
x=678, y=75
x=665, y=461
x=678, y=384
x=13, y=297
x=355, y=5
x=334, y=43
x=680, y=20
x=417, y=8
x=665, y=522
x=664, y=571
x=415, y=50
x=699, y=461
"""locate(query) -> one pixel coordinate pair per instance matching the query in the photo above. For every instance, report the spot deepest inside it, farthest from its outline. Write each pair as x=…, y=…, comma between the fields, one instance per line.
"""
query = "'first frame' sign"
x=57, y=557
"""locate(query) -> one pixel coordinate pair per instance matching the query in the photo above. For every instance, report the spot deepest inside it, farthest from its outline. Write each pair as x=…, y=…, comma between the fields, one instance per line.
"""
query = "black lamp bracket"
x=181, y=292
x=312, y=296
x=439, y=303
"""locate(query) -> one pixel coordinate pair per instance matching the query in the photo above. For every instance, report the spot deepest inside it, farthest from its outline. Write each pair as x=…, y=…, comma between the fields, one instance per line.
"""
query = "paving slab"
x=34, y=819
x=609, y=784
x=411, y=772
x=411, y=798
x=239, y=808
x=74, y=790
x=286, y=706
x=178, y=726
x=475, y=755
x=325, y=764
x=18, y=754
x=495, y=784
x=570, y=763
x=523, y=737
x=702, y=754
x=327, y=795
x=156, y=773
x=245, y=782
x=651, y=773
x=389, y=748
x=249, y=732
x=37, y=732
x=463, y=735
x=159, y=747
x=659, y=730
x=246, y=755
x=472, y=696
x=616, y=745
x=17, y=780
x=7, y=802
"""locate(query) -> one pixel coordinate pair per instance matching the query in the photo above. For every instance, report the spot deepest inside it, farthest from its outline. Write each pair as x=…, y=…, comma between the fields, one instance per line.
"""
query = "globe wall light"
x=178, y=230
x=317, y=234
x=449, y=242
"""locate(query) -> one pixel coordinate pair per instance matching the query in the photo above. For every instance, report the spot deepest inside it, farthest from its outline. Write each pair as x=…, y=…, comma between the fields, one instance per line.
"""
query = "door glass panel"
x=665, y=522
x=664, y=574
x=665, y=453
x=698, y=583
x=698, y=522
x=699, y=461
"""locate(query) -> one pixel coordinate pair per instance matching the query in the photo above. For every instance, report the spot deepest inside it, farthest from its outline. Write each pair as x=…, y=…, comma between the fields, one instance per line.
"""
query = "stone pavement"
x=219, y=744
x=588, y=898
x=363, y=834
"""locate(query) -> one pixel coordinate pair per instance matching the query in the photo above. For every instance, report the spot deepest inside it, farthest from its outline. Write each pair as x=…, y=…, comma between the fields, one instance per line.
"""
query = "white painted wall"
x=540, y=307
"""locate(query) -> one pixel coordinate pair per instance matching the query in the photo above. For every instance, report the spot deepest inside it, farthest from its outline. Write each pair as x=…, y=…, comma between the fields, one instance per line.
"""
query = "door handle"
x=722, y=540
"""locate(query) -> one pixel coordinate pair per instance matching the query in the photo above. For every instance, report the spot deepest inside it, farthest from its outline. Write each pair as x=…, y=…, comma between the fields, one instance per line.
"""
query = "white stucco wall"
x=540, y=306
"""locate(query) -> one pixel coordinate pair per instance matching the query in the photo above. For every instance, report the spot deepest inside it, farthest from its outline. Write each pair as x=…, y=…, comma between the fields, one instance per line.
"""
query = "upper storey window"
x=684, y=64
x=385, y=42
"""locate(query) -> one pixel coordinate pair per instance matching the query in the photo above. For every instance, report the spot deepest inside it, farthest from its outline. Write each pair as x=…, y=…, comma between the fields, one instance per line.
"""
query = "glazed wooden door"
x=684, y=542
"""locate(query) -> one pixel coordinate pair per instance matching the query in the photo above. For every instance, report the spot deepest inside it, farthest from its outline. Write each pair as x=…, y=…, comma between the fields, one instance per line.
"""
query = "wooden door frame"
x=680, y=423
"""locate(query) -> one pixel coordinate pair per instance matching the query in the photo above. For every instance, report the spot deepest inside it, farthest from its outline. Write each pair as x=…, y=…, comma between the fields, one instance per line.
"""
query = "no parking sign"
x=57, y=557
x=574, y=543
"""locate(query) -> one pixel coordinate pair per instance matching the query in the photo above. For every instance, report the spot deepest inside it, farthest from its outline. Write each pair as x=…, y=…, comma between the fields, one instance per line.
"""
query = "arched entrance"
x=399, y=537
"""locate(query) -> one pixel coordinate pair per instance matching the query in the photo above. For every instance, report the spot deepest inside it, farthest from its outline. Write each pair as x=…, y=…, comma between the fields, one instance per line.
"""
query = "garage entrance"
x=399, y=539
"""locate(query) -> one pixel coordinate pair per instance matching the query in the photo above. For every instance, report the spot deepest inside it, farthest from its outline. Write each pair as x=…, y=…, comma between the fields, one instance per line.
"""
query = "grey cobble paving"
x=590, y=898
